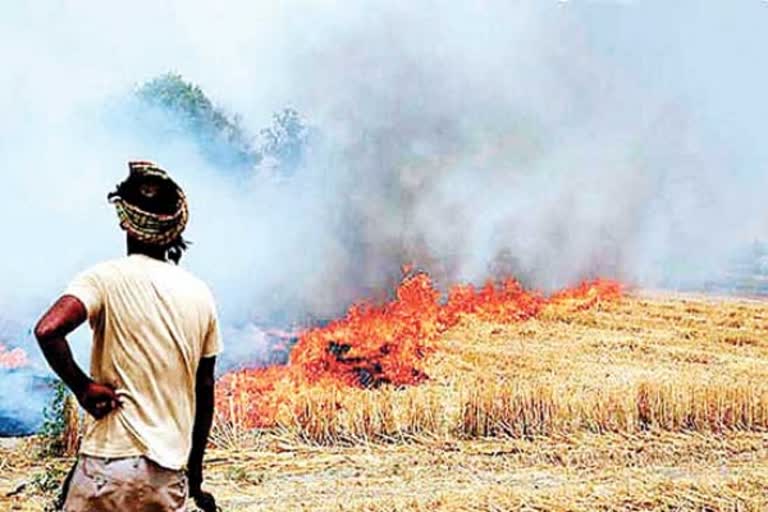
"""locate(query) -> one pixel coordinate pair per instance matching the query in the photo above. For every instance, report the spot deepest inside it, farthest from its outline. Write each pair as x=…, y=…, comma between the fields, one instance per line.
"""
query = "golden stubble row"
x=636, y=365
x=517, y=409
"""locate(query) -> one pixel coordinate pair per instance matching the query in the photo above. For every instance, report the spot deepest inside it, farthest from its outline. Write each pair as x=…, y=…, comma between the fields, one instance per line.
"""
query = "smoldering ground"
x=552, y=140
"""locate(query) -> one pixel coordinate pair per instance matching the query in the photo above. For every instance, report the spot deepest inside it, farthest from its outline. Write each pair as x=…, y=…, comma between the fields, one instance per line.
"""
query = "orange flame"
x=11, y=359
x=387, y=344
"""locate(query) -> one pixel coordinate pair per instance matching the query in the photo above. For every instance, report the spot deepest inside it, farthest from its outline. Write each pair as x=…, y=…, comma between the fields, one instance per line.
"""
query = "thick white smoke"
x=557, y=140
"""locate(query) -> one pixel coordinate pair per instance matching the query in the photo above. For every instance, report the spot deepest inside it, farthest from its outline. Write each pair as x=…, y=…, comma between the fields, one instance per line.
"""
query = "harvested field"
x=649, y=402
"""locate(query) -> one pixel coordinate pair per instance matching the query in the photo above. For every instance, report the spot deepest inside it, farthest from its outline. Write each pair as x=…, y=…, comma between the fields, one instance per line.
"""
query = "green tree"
x=188, y=110
x=285, y=141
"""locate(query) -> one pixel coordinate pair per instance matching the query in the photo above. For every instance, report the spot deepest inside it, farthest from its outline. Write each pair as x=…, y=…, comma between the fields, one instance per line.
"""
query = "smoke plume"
x=553, y=140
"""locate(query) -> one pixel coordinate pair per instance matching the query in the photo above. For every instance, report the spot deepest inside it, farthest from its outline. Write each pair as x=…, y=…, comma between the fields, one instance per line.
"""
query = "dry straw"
x=631, y=366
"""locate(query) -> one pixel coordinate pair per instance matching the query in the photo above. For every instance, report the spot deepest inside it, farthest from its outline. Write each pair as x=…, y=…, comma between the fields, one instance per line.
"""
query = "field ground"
x=653, y=402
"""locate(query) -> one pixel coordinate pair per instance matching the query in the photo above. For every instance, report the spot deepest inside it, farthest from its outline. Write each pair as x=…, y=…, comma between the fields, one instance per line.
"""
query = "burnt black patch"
x=338, y=349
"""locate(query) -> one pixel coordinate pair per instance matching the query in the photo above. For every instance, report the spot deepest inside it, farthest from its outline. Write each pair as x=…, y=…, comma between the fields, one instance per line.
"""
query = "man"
x=155, y=341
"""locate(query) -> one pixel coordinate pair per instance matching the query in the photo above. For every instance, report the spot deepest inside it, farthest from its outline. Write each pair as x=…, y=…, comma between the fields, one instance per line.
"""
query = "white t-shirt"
x=152, y=322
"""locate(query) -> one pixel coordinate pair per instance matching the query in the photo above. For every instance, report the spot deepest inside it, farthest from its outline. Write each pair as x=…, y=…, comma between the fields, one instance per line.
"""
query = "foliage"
x=222, y=137
x=49, y=479
x=285, y=141
x=49, y=482
x=54, y=423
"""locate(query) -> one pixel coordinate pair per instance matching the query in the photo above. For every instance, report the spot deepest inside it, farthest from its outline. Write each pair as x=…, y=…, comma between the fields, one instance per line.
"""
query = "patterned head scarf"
x=148, y=181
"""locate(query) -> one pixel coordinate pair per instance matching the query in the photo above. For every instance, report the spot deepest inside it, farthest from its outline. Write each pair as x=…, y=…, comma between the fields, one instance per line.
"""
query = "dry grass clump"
x=390, y=415
x=72, y=426
x=518, y=409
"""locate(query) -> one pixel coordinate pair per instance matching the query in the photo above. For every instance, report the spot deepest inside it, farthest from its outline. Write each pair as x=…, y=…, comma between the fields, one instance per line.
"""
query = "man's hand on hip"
x=61, y=319
x=98, y=399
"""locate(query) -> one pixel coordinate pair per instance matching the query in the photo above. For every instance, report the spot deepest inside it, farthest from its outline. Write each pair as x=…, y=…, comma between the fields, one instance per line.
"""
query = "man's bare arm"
x=66, y=315
x=204, y=404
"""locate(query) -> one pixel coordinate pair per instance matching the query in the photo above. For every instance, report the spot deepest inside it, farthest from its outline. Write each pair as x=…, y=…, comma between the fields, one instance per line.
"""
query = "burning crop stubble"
x=385, y=345
x=595, y=362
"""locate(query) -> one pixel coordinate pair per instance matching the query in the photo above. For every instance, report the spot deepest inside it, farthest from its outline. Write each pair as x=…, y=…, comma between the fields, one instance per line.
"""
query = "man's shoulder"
x=104, y=268
x=197, y=282
x=192, y=283
x=140, y=267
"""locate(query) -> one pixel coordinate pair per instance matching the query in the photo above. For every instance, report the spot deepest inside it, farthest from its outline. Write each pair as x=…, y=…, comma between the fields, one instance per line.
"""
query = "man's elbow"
x=44, y=332
x=61, y=319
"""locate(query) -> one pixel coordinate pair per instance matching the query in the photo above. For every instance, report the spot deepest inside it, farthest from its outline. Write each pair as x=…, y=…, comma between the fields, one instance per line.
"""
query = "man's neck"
x=136, y=247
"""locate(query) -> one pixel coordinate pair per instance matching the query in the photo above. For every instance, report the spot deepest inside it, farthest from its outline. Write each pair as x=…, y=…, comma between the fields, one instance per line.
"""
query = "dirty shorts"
x=125, y=484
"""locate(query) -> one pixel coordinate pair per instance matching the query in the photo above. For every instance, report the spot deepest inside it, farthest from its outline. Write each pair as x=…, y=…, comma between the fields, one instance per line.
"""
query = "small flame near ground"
x=12, y=359
x=376, y=345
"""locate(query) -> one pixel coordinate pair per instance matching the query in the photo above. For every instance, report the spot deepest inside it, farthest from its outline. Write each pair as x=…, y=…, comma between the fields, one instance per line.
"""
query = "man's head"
x=152, y=210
